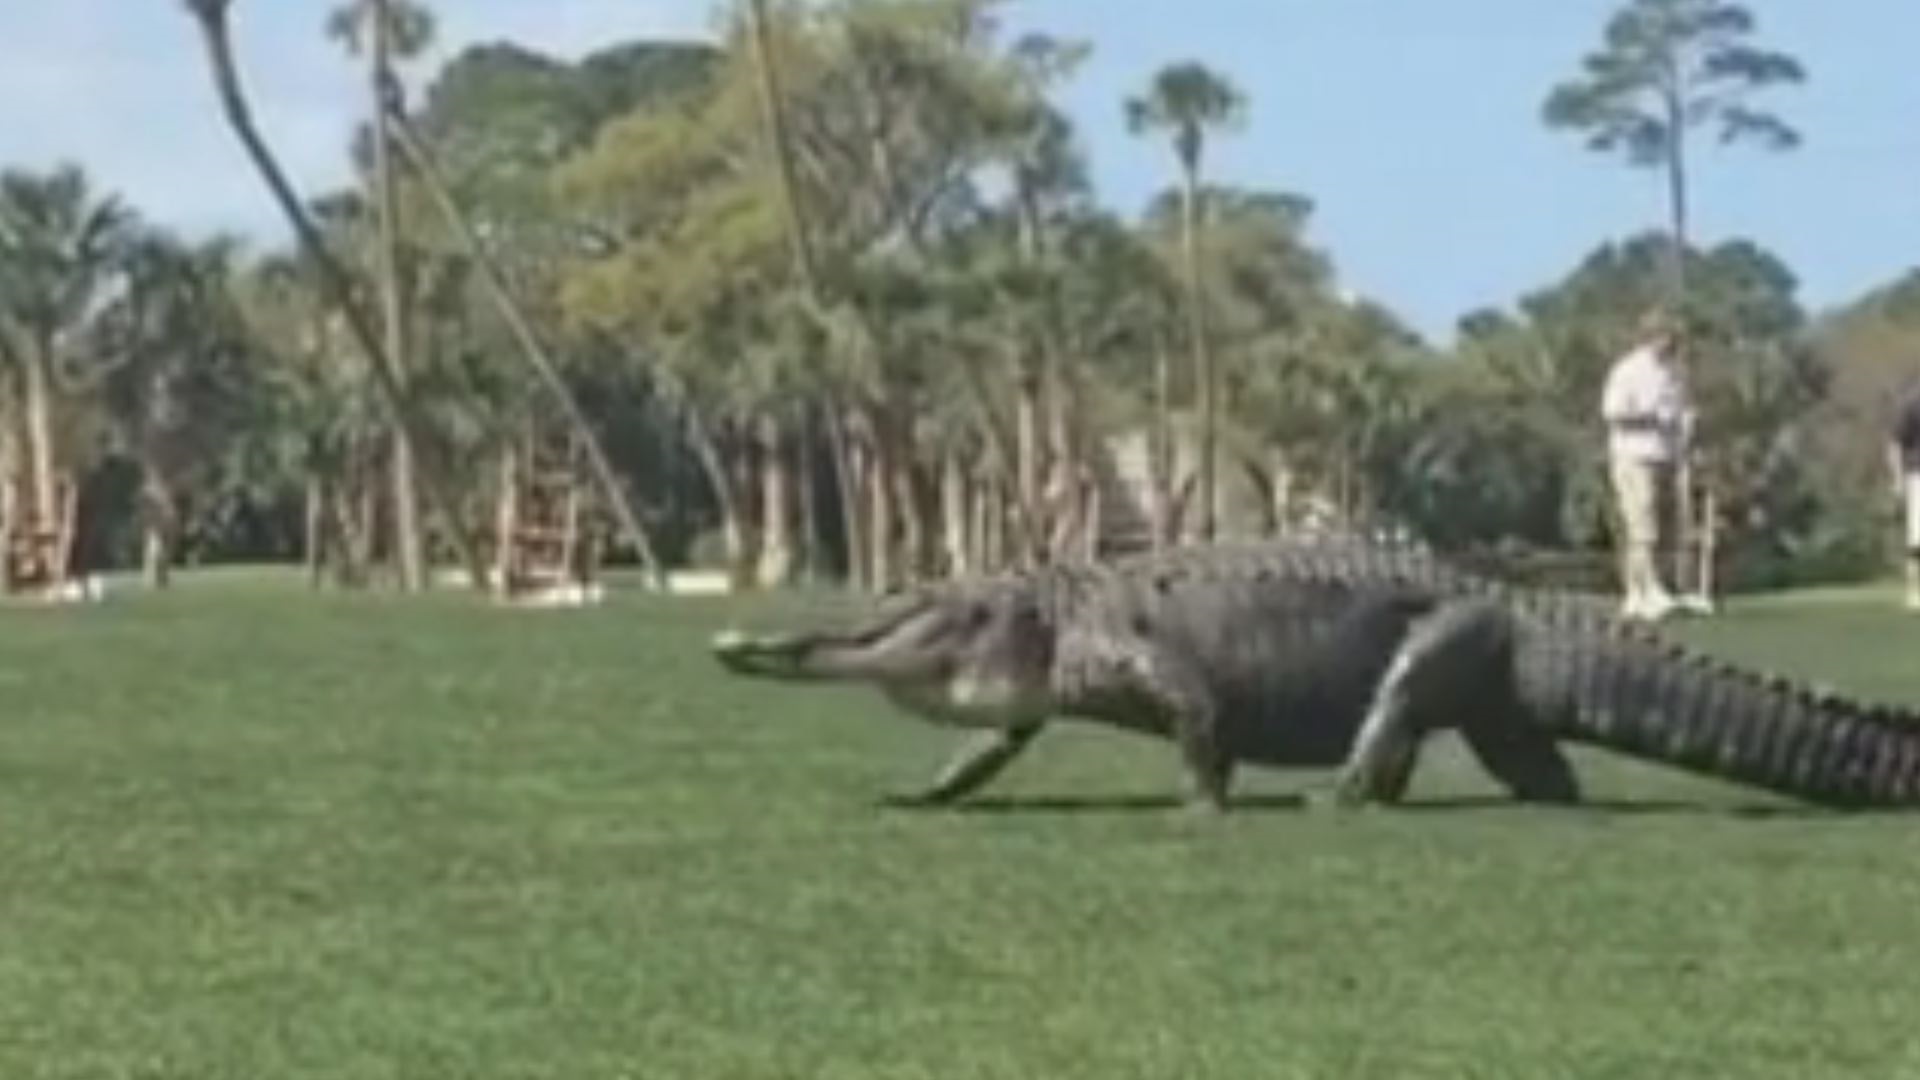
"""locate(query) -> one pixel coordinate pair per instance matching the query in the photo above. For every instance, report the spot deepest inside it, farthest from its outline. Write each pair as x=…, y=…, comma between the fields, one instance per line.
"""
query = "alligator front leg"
x=1138, y=685
x=972, y=766
x=1187, y=708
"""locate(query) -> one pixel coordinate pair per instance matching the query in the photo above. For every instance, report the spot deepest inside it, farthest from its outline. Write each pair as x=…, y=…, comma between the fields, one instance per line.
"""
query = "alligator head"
x=974, y=654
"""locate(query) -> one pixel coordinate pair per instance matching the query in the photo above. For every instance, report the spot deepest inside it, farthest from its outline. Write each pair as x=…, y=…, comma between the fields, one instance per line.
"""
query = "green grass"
x=250, y=833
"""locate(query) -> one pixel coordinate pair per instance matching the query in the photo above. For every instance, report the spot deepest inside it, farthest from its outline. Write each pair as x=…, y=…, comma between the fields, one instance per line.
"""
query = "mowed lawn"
x=253, y=833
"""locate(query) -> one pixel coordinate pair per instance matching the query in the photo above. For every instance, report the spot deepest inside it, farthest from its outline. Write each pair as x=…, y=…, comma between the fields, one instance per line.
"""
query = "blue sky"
x=1412, y=123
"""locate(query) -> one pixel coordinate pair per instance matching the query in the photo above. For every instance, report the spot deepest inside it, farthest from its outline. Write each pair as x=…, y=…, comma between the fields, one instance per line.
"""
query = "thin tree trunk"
x=67, y=531
x=159, y=525
x=408, y=552
x=779, y=147
x=955, y=516
x=11, y=469
x=1203, y=373
x=776, y=505
x=1265, y=485
x=1031, y=464
x=976, y=521
x=367, y=523
x=880, y=506
x=733, y=524
x=211, y=15
x=1705, y=581
x=1067, y=506
x=812, y=542
x=315, y=547
x=1281, y=492
x=916, y=531
x=12, y=456
x=1684, y=532
x=993, y=548
x=351, y=541
x=987, y=510
x=1160, y=451
x=42, y=454
x=506, y=520
x=847, y=472
x=1677, y=198
x=1003, y=450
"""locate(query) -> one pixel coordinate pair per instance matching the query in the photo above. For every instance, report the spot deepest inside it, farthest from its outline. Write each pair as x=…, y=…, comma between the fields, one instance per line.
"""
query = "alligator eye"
x=977, y=616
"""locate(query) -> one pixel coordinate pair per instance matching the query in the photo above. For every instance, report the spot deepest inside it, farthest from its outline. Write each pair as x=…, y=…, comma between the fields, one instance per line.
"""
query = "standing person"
x=1903, y=453
x=1649, y=418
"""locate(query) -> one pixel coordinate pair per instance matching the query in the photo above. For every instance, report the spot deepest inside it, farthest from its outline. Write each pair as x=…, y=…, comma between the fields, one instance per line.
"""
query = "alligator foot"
x=912, y=800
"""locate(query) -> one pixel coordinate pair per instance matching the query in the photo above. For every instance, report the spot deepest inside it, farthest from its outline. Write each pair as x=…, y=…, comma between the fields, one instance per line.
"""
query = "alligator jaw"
x=806, y=657
x=879, y=649
x=767, y=657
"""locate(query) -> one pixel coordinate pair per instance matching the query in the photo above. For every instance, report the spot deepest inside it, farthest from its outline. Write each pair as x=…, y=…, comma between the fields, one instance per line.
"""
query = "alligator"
x=1335, y=654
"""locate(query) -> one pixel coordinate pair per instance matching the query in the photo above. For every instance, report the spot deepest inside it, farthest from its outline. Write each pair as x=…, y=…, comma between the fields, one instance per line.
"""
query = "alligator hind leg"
x=1456, y=662
x=1524, y=759
x=1189, y=710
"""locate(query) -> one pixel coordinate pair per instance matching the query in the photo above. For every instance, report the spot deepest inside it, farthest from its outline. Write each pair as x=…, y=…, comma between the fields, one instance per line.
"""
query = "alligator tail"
x=1646, y=696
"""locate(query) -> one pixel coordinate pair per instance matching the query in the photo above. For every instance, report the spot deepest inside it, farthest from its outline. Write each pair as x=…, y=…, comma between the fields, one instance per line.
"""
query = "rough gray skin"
x=1335, y=654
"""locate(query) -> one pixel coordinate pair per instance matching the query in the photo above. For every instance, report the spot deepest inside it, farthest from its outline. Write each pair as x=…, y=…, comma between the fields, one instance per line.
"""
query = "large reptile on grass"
x=1336, y=654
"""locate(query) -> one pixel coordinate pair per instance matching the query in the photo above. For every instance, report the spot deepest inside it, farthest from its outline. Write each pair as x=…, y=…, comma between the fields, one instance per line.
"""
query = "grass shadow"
x=1305, y=802
x=1113, y=804
x=1616, y=807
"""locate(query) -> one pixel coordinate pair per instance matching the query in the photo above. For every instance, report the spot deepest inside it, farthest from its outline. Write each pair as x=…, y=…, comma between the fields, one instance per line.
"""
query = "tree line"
x=833, y=297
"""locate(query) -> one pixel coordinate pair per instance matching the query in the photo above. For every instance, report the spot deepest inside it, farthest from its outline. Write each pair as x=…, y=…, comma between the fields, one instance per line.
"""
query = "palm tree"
x=216, y=37
x=386, y=30
x=59, y=240
x=1188, y=101
x=173, y=383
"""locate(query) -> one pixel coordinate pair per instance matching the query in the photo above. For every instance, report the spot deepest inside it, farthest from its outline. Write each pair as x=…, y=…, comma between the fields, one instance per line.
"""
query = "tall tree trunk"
x=735, y=534
x=41, y=449
x=993, y=548
x=812, y=538
x=12, y=470
x=506, y=521
x=1031, y=464
x=409, y=553
x=1160, y=451
x=779, y=147
x=160, y=524
x=847, y=470
x=1284, y=480
x=776, y=505
x=955, y=516
x=1093, y=521
x=880, y=506
x=1267, y=508
x=1003, y=452
x=1685, y=527
x=916, y=532
x=1206, y=384
x=211, y=15
x=354, y=510
x=314, y=549
x=1068, y=483
x=1677, y=198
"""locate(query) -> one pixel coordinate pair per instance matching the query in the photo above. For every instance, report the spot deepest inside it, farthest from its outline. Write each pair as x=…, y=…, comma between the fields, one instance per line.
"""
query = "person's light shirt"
x=1646, y=409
